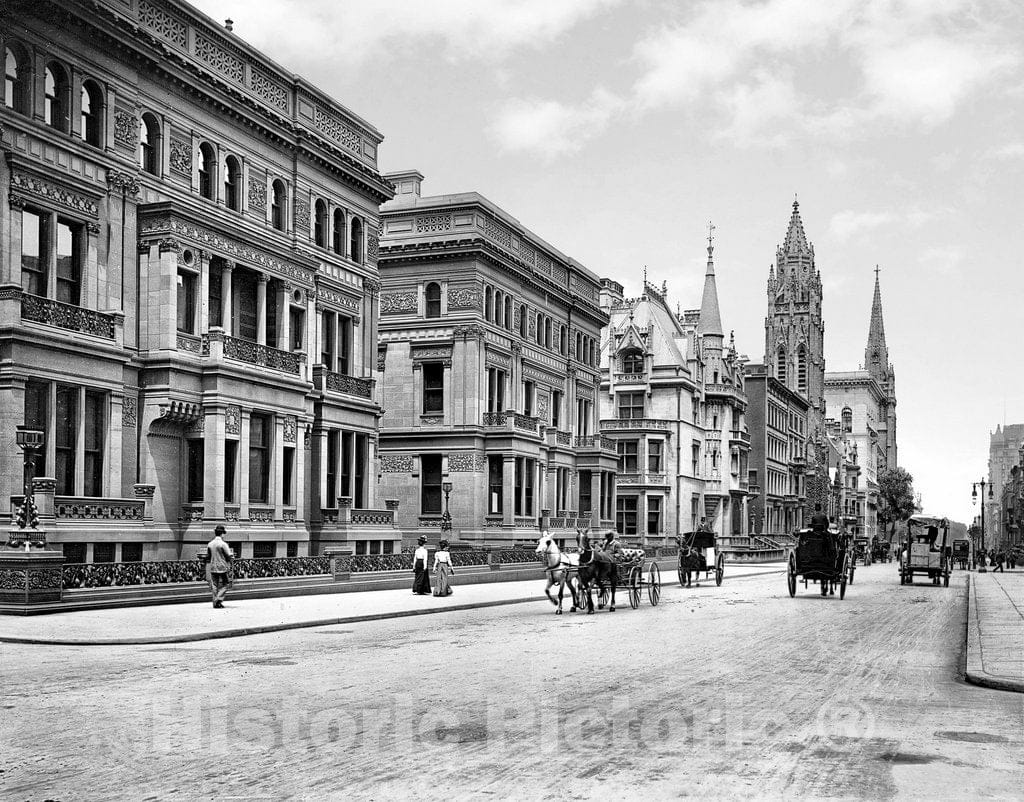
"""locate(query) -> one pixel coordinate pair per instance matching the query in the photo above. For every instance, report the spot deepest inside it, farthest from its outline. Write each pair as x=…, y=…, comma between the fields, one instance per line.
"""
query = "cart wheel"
x=654, y=584
x=842, y=579
x=719, y=569
x=635, y=578
x=603, y=595
x=791, y=577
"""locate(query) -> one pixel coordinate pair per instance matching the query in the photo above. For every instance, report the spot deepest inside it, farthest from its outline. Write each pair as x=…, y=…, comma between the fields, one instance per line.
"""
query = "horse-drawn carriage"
x=821, y=556
x=861, y=550
x=590, y=566
x=699, y=554
x=962, y=553
x=926, y=550
x=881, y=551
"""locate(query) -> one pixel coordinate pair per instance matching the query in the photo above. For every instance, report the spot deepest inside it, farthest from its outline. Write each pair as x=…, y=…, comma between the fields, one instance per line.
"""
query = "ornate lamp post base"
x=30, y=577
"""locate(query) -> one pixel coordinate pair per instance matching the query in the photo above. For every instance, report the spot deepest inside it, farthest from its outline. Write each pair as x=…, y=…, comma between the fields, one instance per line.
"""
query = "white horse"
x=558, y=568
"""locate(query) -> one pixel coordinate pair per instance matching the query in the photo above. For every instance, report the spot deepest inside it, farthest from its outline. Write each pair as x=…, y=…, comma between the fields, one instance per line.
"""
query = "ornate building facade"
x=489, y=360
x=187, y=288
x=1004, y=455
x=673, y=400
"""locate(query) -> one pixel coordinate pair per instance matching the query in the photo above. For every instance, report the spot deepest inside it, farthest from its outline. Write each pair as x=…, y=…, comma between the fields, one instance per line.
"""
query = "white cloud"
x=848, y=223
x=1009, y=151
x=942, y=260
x=756, y=108
x=550, y=128
x=353, y=34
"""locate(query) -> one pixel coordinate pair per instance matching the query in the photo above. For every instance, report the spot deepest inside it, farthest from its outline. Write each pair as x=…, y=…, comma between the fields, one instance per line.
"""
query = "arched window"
x=356, y=244
x=207, y=170
x=591, y=351
x=320, y=223
x=547, y=332
x=149, y=144
x=579, y=346
x=339, y=231
x=278, y=204
x=499, y=307
x=508, y=312
x=433, y=297
x=847, y=419
x=780, y=365
x=92, y=113
x=488, y=304
x=801, y=369
x=16, y=80
x=233, y=183
x=57, y=98
x=524, y=324
x=563, y=341
x=540, y=329
x=633, y=362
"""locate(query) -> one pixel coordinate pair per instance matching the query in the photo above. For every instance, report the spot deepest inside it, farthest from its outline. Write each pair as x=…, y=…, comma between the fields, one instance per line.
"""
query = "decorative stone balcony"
x=517, y=420
x=70, y=317
x=216, y=343
x=598, y=441
x=636, y=424
x=739, y=437
x=324, y=379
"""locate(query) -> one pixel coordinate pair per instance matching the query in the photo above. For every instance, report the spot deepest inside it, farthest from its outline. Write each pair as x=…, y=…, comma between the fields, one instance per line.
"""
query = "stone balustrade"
x=68, y=316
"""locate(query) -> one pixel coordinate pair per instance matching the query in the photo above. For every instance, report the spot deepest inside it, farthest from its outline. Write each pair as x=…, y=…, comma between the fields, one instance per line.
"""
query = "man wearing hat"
x=219, y=556
x=421, y=576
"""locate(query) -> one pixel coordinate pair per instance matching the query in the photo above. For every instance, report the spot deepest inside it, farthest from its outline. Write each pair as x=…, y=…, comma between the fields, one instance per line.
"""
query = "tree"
x=895, y=497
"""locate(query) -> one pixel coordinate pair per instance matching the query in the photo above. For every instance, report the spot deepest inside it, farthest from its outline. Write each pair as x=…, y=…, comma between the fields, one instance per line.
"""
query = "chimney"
x=611, y=293
x=406, y=183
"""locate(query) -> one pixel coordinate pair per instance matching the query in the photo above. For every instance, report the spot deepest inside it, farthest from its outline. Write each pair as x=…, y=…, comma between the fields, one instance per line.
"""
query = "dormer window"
x=633, y=362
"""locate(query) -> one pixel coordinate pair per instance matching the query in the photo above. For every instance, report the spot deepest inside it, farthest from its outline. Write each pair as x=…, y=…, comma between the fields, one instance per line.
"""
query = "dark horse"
x=595, y=567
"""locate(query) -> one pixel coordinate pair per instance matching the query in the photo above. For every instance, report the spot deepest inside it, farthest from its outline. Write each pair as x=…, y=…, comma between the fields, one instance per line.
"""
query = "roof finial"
x=796, y=201
x=877, y=269
x=711, y=234
x=645, y=275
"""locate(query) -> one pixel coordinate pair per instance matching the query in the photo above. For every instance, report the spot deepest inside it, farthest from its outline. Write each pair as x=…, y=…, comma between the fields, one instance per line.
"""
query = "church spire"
x=796, y=240
x=710, y=322
x=876, y=355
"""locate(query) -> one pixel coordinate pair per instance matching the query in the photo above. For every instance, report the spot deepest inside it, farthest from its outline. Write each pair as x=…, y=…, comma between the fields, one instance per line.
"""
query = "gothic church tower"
x=794, y=342
x=876, y=362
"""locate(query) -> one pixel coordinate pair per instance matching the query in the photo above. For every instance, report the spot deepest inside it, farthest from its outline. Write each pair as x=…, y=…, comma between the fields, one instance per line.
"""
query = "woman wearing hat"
x=443, y=569
x=421, y=579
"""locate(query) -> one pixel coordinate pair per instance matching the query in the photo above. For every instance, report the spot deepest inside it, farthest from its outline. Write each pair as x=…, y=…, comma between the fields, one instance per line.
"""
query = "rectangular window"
x=625, y=515
x=530, y=470
x=331, y=490
x=359, y=492
x=194, y=466
x=585, y=498
x=186, y=302
x=103, y=552
x=244, y=291
x=296, y=327
x=327, y=340
x=66, y=439
x=495, y=484
x=259, y=458
x=69, y=262
x=695, y=458
x=433, y=386
x=654, y=515
x=654, y=455
x=131, y=552
x=37, y=416
x=261, y=550
x=270, y=324
x=630, y=405
x=520, y=471
x=33, y=253
x=215, y=296
x=95, y=427
x=346, y=464
x=287, y=467
x=627, y=456
x=293, y=548
x=556, y=408
x=344, y=345
x=388, y=547
x=230, y=461
x=430, y=484
x=495, y=390
x=74, y=553
x=694, y=511
x=528, y=391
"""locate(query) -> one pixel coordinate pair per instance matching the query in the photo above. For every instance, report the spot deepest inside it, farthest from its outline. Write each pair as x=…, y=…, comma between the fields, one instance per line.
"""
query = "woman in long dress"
x=443, y=569
x=421, y=578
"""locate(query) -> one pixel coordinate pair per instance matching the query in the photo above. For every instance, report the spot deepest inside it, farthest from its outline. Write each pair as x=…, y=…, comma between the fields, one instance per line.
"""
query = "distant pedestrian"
x=1000, y=559
x=219, y=557
x=443, y=569
x=421, y=578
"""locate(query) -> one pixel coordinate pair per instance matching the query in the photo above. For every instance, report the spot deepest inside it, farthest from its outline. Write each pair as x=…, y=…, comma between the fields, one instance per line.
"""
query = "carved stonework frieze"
x=22, y=184
x=391, y=463
x=125, y=183
x=257, y=193
x=126, y=130
x=338, y=299
x=584, y=390
x=16, y=201
x=472, y=332
x=181, y=156
x=466, y=462
x=463, y=298
x=128, y=413
x=167, y=244
x=397, y=303
x=382, y=354
x=371, y=285
x=432, y=223
x=501, y=360
x=432, y=353
x=289, y=428
x=302, y=215
x=233, y=419
x=372, y=247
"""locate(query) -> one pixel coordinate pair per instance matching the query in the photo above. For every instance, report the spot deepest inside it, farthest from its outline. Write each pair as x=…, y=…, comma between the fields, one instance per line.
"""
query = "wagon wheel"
x=852, y=569
x=842, y=579
x=654, y=584
x=635, y=581
x=791, y=576
x=602, y=596
x=719, y=569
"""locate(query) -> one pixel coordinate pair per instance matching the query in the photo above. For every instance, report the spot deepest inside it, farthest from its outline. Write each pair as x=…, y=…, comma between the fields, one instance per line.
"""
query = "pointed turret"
x=876, y=355
x=710, y=322
x=796, y=240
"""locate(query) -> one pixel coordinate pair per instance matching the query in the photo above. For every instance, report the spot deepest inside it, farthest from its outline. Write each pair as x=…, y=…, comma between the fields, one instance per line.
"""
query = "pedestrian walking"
x=421, y=579
x=219, y=557
x=443, y=569
x=1000, y=559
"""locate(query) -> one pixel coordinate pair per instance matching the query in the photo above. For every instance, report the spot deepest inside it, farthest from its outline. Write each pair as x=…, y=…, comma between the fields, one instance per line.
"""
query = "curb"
x=264, y=629
x=975, y=672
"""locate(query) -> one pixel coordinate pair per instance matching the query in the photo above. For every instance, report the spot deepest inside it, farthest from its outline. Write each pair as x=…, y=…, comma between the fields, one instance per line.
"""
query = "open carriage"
x=699, y=554
x=635, y=574
x=824, y=557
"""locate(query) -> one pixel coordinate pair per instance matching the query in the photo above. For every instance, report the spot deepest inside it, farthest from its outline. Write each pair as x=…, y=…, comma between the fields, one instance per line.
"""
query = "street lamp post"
x=29, y=440
x=974, y=499
x=446, y=517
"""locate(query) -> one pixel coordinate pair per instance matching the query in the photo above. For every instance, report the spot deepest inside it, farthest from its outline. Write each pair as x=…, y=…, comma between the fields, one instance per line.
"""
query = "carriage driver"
x=612, y=547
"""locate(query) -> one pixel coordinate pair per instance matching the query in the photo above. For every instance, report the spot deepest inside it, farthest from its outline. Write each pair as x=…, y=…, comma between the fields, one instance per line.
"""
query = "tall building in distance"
x=1004, y=452
x=876, y=361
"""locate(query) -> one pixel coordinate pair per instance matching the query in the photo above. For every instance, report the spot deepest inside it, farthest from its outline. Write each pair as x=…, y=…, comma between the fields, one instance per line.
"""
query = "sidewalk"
x=995, y=631
x=181, y=623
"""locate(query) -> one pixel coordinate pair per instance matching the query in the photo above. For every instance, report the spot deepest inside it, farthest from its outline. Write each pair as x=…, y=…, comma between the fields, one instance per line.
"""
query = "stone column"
x=325, y=500
x=203, y=324
x=283, y=301
x=163, y=296
x=508, y=490
x=226, y=305
x=596, y=501
x=261, y=308
x=213, y=464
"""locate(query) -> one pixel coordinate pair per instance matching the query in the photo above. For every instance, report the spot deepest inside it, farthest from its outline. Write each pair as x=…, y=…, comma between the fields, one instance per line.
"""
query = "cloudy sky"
x=615, y=130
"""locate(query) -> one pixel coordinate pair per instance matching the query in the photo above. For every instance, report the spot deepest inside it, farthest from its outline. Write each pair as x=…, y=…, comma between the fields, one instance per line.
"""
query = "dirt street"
x=731, y=692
